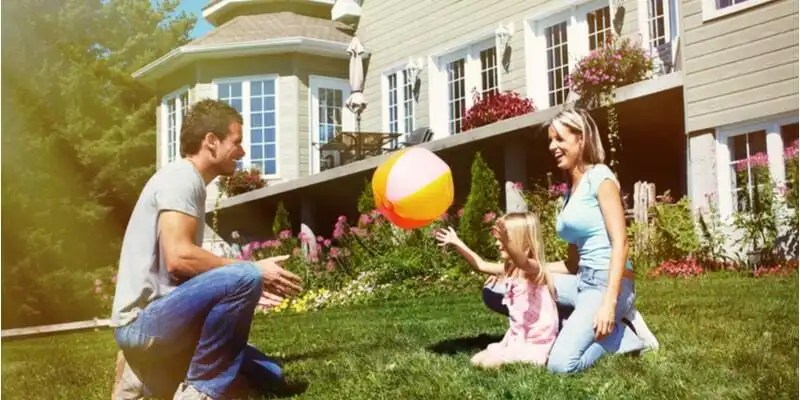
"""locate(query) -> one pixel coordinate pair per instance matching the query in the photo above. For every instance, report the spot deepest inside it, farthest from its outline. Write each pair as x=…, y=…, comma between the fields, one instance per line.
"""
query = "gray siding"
x=395, y=30
x=739, y=67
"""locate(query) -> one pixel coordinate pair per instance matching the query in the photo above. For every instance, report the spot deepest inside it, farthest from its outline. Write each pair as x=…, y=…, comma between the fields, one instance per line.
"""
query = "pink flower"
x=489, y=217
x=364, y=220
x=320, y=239
x=326, y=243
x=517, y=185
x=334, y=252
x=302, y=236
x=285, y=234
x=98, y=289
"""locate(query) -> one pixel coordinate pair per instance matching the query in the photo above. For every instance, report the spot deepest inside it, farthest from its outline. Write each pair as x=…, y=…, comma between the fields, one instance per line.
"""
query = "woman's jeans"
x=579, y=298
x=198, y=334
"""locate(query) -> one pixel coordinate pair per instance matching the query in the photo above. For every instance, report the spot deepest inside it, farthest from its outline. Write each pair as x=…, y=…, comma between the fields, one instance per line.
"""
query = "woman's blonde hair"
x=525, y=229
x=579, y=122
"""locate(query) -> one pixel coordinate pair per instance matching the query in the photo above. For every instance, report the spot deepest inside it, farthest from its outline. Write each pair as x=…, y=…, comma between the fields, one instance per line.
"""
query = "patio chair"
x=417, y=136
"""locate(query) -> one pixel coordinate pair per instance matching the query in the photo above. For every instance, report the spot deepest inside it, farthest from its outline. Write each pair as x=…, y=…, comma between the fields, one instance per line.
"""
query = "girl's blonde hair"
x=579, y=122
x=525, y=229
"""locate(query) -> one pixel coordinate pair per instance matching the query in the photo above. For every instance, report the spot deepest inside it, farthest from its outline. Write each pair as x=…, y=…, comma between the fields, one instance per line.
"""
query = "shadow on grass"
x=463, y=345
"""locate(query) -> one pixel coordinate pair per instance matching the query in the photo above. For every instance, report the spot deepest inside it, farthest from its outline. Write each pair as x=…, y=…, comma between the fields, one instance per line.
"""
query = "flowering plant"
x=495, y=107
x=242, y=181
x=687, y=267
x=620, y=62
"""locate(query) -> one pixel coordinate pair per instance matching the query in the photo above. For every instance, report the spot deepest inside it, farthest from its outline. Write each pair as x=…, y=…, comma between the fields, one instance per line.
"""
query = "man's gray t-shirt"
x=143, y=275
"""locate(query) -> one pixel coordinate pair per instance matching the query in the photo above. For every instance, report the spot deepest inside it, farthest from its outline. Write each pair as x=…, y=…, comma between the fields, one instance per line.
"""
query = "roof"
x=246, y=35
x=247, y=28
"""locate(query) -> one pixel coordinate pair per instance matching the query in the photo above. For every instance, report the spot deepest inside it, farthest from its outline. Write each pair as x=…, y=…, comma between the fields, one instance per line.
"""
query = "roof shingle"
x=247, y=28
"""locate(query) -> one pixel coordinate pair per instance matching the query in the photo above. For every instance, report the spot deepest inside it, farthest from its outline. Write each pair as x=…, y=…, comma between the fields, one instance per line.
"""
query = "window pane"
x=257, y=152
x=270, y=166
x=256, y=136
x=269, y=151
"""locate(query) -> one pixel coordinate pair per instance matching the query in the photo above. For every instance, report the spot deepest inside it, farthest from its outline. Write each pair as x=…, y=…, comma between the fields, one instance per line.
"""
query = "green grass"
x=722, y=336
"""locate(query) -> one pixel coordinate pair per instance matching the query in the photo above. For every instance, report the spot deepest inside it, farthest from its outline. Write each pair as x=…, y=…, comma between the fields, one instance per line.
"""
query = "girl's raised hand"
x=446, y=236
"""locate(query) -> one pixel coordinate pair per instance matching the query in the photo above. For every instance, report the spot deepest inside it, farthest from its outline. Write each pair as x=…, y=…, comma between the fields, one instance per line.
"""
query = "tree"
x=79, y=146
x=483, y=201
x=281, y=220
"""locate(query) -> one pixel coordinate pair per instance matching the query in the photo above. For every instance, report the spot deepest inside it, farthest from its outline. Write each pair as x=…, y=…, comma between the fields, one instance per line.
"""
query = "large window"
x=173, y=107
x=398, y=101
x=255, y=99
x=753, y=157
x=719, y=8
x=458, y=77
x=557, y=41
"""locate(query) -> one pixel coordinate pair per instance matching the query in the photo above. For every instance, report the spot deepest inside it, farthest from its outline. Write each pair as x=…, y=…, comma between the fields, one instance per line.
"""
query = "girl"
x=529, y=291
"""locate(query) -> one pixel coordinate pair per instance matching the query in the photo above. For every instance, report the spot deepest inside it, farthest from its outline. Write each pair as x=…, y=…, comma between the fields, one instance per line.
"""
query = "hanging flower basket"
x=242, y=181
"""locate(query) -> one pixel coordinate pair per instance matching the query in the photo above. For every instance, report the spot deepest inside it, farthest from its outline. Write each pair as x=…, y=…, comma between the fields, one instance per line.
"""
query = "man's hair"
x=205, y=116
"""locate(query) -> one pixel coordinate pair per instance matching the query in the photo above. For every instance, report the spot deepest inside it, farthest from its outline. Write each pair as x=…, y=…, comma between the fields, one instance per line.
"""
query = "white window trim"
x=348, y=117
x=244, y=80
x=397, y=71
x=710, y=11
x=775, y=158
x=164, y=128
x=574, y=13
x=437, y=74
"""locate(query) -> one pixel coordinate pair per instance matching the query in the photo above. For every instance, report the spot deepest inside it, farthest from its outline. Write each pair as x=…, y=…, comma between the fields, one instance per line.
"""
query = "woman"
x=595, y=289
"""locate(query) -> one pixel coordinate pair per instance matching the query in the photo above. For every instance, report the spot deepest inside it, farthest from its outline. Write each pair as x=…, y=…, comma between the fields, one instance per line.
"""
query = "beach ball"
x=413, y=187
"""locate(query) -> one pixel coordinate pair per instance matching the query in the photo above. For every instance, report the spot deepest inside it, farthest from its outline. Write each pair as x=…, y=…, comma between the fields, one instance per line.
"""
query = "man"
x=181, y=314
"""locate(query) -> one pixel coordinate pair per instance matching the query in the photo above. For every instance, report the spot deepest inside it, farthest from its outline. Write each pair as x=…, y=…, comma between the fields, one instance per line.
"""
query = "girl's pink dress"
x=533, y=323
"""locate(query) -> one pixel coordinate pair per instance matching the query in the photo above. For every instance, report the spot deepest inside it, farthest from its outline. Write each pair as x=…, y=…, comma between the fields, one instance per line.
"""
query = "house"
x=726, y=88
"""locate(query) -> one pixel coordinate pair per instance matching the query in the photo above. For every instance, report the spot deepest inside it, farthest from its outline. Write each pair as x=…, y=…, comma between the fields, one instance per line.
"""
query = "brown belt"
x=626, y=273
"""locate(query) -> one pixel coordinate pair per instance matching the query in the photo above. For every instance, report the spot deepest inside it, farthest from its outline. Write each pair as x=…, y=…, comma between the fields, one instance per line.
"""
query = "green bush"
x=281, y=220
x=546, y=202
x=481, y=208
x=366, y=200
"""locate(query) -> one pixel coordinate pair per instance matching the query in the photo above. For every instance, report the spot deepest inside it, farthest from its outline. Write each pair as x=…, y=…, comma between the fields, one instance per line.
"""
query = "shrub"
x=546, y=202
x=480, y=210
x=366, y=200
x=495, y=107
x=281, y=220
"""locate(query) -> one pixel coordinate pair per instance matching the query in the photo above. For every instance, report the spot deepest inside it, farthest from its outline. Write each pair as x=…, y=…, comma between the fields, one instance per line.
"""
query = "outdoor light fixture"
x=414, y=67
x=502, y=37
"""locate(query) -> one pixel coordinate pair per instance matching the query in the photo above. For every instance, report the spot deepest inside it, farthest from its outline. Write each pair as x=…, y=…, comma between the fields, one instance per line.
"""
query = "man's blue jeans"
x=198, y=334
x=579, y=298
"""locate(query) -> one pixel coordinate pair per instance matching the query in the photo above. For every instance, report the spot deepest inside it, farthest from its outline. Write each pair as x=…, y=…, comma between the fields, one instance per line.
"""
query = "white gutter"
x=185, y=54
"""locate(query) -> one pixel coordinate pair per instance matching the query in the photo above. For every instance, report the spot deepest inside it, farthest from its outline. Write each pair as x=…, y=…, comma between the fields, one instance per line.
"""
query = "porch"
x=653, y=148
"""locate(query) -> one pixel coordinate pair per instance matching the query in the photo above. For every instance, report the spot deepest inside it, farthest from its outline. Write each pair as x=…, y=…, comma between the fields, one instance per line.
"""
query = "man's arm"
x=184, y=259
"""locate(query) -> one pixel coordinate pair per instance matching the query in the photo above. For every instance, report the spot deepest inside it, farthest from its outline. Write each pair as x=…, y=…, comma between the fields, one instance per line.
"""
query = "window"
x=456, y=98
x=399, y=101
x=463, y=73
x=728, y=3
x=753, y=157
x=173, y=106
x=329, y=116
x=556, y=41
x=655, y=23
x=557, y=63
x=748, y=167
x=599, y=22
x=255, y=99
x=719, y=8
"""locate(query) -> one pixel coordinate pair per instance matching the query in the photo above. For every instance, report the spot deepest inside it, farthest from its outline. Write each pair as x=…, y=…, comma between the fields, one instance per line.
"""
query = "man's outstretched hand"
x=277, y=280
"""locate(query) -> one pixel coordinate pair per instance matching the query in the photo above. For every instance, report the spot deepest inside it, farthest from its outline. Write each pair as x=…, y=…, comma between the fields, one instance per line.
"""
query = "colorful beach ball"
x=413, y=187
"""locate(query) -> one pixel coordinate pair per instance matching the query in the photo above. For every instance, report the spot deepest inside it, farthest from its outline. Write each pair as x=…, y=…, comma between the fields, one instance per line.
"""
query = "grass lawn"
x=722, y=336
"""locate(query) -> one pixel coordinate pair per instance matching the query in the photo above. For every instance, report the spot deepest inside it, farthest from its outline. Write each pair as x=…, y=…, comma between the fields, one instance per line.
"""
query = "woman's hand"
x=447, y=236
x=604, y=320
